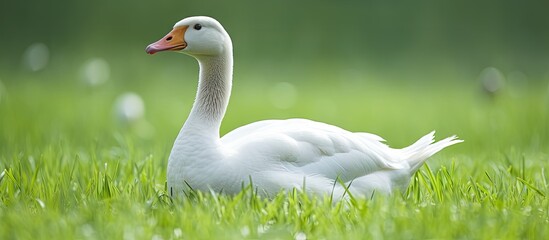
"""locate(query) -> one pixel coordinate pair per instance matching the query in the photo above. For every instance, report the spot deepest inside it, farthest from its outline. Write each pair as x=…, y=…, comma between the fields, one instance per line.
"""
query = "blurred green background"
x=470, y=34
x=479, y=69
x=88, y=119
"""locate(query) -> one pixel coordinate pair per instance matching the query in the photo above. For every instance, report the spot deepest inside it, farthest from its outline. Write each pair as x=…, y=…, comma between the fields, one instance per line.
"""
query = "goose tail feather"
x=417, y=153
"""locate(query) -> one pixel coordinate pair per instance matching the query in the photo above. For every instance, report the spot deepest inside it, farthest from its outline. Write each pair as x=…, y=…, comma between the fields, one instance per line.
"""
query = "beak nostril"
x=169, y=38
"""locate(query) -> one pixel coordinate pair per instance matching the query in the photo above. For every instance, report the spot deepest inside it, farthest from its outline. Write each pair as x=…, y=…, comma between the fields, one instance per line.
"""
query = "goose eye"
x=197, y=26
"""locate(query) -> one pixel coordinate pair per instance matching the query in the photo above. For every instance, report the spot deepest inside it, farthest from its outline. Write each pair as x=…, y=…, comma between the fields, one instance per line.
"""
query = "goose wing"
x=310, y=147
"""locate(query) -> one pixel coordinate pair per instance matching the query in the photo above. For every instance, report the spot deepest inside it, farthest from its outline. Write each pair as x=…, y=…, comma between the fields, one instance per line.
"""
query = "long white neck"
x=212, y=98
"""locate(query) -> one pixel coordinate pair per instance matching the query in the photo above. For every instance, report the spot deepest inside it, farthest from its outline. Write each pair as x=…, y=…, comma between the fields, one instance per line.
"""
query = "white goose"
x=275, y=155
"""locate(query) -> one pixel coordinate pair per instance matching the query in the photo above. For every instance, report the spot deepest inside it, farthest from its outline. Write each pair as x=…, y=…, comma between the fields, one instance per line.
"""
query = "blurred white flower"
x=129, y=110
x=245, y=231
x=157, y=237
x=283, y=95
x=300, y=236
x=177, y=233
x=36, y=56
x=87, y=230
x=492, y=80
x=95, y=71
x=129, y=107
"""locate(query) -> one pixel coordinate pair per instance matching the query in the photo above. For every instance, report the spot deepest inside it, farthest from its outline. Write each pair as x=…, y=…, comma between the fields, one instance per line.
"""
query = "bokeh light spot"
x=96, y=71
x=36, y=56
x=129, y=107
x=492, y=79
x=300, y=236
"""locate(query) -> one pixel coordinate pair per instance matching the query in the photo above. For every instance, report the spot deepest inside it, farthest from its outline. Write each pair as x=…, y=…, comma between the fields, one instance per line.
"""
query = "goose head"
x=195, y=36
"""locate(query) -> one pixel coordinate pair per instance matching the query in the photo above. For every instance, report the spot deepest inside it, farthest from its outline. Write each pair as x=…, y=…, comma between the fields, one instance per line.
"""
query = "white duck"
x=275, y=155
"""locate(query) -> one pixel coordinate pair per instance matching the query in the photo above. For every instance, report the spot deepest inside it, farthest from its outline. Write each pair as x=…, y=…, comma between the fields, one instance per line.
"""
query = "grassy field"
x=71, y=170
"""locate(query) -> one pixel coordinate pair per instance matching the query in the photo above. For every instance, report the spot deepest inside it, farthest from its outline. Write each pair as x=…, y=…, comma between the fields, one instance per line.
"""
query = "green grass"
x=70, y=171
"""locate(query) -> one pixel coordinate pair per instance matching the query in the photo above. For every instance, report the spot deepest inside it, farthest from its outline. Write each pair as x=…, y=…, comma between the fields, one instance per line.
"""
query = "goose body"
x=274, y=155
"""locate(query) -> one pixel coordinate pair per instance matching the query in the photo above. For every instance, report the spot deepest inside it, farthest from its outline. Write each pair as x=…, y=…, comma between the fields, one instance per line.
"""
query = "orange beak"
x=173, y=41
